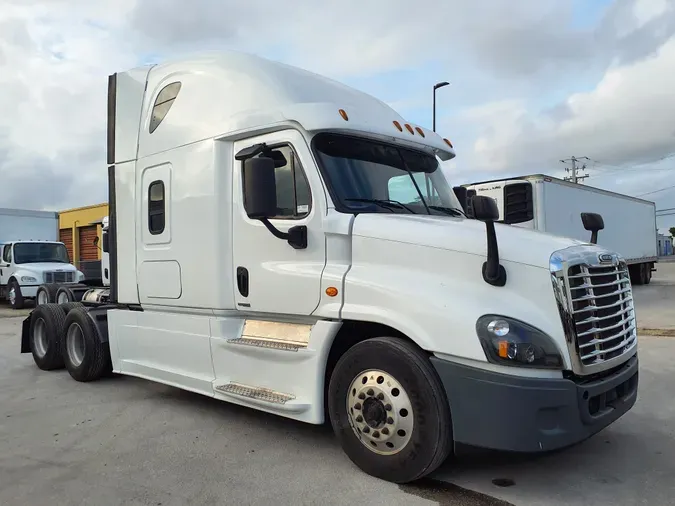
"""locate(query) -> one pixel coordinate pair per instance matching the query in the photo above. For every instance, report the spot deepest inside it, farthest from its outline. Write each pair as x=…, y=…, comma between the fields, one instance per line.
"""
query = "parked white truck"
x=31, y=255
x=552, y=205
x=89, y=289
x=258, y=256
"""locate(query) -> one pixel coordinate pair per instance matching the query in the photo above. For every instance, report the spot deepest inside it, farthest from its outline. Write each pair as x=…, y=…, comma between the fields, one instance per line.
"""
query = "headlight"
x=28, y=279
x=511, y=342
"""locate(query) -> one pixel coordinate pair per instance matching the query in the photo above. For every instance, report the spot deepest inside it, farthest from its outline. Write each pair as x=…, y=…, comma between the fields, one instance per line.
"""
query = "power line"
x=667, y=209
x=574, y=177
x=656, y=191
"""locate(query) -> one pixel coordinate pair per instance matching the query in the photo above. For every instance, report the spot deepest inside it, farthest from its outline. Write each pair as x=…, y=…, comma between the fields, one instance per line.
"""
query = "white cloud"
x=628, y=118
x=55, y=56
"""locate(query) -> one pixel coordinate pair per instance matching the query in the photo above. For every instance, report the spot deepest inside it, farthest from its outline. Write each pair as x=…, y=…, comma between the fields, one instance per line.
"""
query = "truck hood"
x=47, y=266
x=516, y=244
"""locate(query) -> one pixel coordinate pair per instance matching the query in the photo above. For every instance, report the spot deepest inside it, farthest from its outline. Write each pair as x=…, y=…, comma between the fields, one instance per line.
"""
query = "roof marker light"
x=410, y=129
x=398, y=125
x=419, y=131
x=343, y=113
x=448, y=143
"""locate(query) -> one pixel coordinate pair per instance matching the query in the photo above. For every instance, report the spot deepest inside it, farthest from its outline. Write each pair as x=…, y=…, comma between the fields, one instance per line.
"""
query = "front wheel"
x=389, y=410
x=15, y=296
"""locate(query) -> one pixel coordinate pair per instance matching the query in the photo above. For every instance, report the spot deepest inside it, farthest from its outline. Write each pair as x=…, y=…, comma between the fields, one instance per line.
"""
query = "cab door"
x=271, y=276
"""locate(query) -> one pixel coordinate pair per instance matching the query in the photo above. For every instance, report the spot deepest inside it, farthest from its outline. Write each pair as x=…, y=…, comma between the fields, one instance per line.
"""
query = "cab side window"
x=294, y=199
x=7, y=253
x=156, y=207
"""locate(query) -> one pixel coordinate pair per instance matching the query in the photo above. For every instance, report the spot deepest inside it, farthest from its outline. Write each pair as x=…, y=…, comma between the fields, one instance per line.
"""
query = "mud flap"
x=25, y=334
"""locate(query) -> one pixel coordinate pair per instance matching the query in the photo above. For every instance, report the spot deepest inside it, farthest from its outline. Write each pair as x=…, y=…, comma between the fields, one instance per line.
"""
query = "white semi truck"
x=281, y=241
x=31, y=256
x=552, y=205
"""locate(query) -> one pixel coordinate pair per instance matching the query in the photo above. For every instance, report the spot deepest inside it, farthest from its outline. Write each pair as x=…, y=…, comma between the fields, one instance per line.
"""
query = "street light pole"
x=436, y=86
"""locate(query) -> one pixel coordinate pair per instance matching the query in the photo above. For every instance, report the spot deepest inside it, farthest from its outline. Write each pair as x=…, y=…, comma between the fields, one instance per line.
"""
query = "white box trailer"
x=287, y=243
x=554, y=206
x=28, y=225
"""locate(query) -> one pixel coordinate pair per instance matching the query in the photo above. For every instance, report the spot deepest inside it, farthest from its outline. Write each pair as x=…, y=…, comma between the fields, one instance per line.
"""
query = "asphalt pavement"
x=125, y=441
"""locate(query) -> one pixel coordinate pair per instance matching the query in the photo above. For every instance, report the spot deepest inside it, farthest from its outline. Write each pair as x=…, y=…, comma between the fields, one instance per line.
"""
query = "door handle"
x=242, y=281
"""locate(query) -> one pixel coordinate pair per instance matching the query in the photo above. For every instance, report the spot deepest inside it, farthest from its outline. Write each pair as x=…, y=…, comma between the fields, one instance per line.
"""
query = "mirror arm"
x=296, y=236
x=493, y=272
x=274, y=230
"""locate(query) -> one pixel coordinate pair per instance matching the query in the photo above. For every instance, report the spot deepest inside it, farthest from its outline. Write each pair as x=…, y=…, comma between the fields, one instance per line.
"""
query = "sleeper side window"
x=163, y=103
x=294, y=199
x=156, y=207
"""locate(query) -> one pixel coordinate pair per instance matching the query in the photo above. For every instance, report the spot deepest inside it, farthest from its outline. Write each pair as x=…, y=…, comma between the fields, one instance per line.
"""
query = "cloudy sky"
x=533, y=81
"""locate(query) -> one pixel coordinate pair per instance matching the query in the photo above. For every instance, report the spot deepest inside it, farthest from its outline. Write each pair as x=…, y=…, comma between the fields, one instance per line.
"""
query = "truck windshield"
x=369, y=176
x=32, y=252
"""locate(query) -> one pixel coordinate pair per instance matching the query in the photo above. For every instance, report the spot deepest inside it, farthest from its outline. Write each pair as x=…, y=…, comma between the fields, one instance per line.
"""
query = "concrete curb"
x=657, y=332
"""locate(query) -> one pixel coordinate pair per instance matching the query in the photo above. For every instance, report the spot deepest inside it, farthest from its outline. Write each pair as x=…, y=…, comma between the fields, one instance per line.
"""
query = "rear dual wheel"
x=389, y=410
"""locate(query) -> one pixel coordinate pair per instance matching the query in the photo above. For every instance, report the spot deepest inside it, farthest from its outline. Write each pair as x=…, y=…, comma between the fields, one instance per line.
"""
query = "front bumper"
x=509, y=413
x=29, y=291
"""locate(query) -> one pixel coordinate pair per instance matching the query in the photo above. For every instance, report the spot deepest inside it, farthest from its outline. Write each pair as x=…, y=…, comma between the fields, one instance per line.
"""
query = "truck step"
x=267, y=343
x=258, y=393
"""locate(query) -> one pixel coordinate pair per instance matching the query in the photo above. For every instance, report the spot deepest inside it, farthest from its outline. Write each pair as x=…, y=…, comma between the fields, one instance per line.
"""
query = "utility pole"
x=574, y=177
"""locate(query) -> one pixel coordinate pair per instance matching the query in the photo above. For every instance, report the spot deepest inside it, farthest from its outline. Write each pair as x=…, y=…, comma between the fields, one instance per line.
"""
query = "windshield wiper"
x=448, y=210
x=387, y=204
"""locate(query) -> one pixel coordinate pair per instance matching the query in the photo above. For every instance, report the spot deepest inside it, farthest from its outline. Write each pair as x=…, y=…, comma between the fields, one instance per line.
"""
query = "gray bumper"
x=502, y=412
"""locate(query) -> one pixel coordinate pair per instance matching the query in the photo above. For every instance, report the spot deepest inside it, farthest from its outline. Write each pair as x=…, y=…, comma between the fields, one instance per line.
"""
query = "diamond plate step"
x=263, y=394
x=267, y=343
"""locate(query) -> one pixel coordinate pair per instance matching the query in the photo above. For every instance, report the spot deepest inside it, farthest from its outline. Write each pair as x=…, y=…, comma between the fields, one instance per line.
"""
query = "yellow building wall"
x=79, y=217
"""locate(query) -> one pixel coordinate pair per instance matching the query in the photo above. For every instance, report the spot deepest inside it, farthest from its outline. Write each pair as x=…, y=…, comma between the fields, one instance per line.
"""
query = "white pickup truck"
x=26, y=265
x=284, y=242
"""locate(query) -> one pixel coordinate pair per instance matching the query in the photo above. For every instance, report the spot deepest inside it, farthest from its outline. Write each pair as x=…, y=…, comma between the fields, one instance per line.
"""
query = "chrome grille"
x=596, y=306
x=602, y=307
x=59, y=277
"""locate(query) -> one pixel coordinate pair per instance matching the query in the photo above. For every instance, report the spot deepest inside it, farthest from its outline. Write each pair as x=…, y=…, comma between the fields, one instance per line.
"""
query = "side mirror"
x=485, y=209
x=461, y=194
x=105, y=242
x=260, y=188
x=593, y=222
x=260, y=199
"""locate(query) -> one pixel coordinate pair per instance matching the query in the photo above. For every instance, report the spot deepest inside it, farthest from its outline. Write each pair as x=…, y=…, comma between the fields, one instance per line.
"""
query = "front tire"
x=15, y=296
x=389, y=410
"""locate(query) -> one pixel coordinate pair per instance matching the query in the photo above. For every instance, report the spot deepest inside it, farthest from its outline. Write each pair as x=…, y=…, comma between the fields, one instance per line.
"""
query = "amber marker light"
x=420, y=131
x=410, y=129
x=331, y=291
x=448, y=143
x=343, y=113
x=398, y=125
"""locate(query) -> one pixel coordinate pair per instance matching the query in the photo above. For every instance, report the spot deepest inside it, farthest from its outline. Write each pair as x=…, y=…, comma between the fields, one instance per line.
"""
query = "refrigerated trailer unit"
x=552, y=205
x=284, y=242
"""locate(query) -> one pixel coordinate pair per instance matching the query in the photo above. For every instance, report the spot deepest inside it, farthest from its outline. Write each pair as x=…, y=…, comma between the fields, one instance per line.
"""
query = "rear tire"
x=47, y=328
x=68, y=306
x=400, y=429
x=46, y=294
x=65, y=295
x=85, y=356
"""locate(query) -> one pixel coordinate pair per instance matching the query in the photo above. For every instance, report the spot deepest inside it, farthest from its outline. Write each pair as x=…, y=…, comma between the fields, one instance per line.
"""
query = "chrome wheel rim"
x=380, y=412
x=12, y=296
x=62, y=298
x=75, y=344
x=42, y=298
